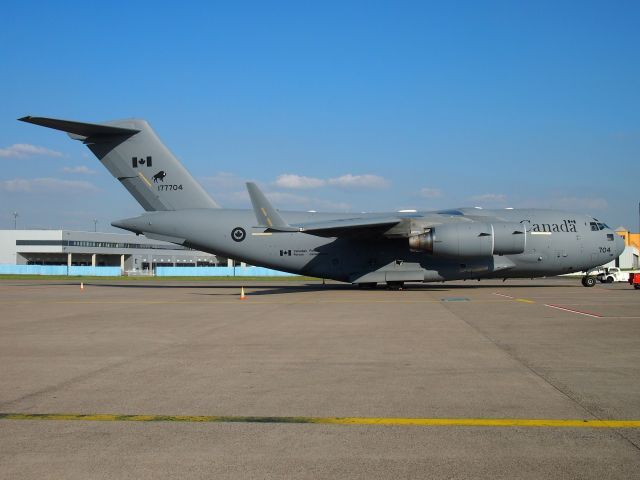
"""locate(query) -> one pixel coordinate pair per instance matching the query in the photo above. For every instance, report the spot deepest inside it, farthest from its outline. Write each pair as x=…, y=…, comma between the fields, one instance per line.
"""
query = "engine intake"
x=471, y=239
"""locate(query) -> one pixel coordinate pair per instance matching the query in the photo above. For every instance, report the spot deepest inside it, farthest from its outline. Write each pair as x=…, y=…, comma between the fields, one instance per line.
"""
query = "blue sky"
x=359, y=106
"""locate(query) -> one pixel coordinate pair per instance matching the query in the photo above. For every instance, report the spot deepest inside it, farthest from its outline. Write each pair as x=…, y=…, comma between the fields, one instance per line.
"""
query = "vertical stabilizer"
x=134, y=154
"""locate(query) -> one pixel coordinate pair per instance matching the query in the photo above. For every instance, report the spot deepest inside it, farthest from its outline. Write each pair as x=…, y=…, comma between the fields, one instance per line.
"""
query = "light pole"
x=95, y=224
x=15, y=220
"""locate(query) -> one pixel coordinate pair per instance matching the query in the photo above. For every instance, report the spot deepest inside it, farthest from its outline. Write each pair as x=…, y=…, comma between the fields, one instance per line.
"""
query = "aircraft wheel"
x=395, y=285
x=588, y=281
x=609, y=279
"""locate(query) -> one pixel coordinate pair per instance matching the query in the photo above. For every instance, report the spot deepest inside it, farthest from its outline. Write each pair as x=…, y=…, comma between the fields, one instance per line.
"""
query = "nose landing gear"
x=588, y=281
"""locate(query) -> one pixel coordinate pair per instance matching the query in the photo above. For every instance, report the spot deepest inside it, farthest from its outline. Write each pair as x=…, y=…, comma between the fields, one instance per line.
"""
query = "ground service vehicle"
x=610, y=275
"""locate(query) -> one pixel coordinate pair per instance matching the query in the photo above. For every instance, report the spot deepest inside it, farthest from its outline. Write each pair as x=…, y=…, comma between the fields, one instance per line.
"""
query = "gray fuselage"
x=359, y=248
x=556, y=242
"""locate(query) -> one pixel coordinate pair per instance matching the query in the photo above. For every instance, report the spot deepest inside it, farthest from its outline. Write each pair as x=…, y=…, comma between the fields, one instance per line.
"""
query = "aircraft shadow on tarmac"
x=256, y=289
x=267, y=290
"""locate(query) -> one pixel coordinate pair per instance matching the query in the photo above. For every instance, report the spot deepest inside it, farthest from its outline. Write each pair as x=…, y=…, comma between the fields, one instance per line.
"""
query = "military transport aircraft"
x=366, y=249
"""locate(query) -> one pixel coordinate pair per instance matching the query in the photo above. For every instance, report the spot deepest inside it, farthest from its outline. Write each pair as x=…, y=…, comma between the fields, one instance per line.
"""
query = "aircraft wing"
x=267, y=216
x=359, y=226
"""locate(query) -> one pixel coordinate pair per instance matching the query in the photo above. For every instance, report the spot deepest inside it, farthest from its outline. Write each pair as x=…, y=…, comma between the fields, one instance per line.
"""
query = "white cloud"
x=81, y=169
x=490, y=197
x=278, y=199
x=282, y=201
x=290, y=180
x=292, y=201
x=46, y=185
x=427, y=192
x=358, y=181
x=293, y=181
x=24, y=150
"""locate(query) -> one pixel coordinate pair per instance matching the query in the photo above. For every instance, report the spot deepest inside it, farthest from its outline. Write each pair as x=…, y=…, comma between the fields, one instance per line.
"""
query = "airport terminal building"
x=133, y=254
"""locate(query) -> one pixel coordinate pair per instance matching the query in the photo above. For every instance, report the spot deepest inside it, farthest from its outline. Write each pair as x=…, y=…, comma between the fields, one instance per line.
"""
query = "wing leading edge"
x=359, y=226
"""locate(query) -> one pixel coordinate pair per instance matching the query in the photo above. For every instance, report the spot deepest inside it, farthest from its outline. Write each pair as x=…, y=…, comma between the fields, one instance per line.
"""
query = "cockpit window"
x=597, y=225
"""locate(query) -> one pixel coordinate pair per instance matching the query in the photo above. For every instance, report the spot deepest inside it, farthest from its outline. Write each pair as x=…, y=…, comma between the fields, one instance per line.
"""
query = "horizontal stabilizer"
x=78, y=128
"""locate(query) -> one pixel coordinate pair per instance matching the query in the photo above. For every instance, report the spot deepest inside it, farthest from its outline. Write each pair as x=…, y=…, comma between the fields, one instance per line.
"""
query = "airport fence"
x=159, y=272
x=219, y=272
x=59, y=270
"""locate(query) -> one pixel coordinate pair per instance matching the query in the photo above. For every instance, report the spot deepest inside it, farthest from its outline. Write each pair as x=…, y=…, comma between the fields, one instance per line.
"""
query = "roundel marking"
x=238, y=234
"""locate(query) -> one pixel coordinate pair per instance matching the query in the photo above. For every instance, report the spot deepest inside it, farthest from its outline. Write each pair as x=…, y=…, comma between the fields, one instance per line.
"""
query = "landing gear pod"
x=462, y=240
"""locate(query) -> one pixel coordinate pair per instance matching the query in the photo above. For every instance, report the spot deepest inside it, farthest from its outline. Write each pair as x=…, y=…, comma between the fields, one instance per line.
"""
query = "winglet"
x=266, y=215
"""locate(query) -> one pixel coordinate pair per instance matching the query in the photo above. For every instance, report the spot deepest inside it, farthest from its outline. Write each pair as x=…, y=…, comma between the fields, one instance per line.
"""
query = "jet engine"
x=471, y=239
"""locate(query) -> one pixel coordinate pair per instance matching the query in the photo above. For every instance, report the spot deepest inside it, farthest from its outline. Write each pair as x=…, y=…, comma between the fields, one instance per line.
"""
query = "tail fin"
x=134, y=154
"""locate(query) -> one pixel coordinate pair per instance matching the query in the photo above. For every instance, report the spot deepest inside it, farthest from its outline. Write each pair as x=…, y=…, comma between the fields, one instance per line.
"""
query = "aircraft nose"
x=619, y=244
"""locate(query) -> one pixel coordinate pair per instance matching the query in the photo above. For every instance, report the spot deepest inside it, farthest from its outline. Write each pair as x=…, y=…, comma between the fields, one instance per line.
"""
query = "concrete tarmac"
x=520, y=350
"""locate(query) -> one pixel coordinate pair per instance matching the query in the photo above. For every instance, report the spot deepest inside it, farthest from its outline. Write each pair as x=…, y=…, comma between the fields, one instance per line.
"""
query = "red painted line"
x=573, y=311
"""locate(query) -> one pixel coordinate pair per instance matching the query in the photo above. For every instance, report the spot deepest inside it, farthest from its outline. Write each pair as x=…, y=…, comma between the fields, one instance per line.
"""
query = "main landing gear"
x=395, y=285
x=588, y=281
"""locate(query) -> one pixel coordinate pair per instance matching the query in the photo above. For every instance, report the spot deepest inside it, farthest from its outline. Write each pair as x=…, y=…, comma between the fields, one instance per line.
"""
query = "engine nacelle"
x=509, y=238
x=471, y=239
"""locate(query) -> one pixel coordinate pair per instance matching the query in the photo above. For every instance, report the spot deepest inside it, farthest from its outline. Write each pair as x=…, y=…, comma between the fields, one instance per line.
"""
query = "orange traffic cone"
x=242, y=295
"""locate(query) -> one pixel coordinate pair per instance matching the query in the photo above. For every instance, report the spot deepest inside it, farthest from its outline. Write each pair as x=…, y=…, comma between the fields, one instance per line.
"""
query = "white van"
x=613, y=274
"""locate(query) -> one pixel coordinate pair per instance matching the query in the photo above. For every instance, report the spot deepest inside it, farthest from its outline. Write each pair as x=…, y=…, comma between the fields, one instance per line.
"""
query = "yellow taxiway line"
x=423, y=422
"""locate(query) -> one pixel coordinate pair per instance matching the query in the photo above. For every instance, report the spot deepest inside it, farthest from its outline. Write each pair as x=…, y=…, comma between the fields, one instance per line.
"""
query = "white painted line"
x=503, y=295
x=573, y=311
